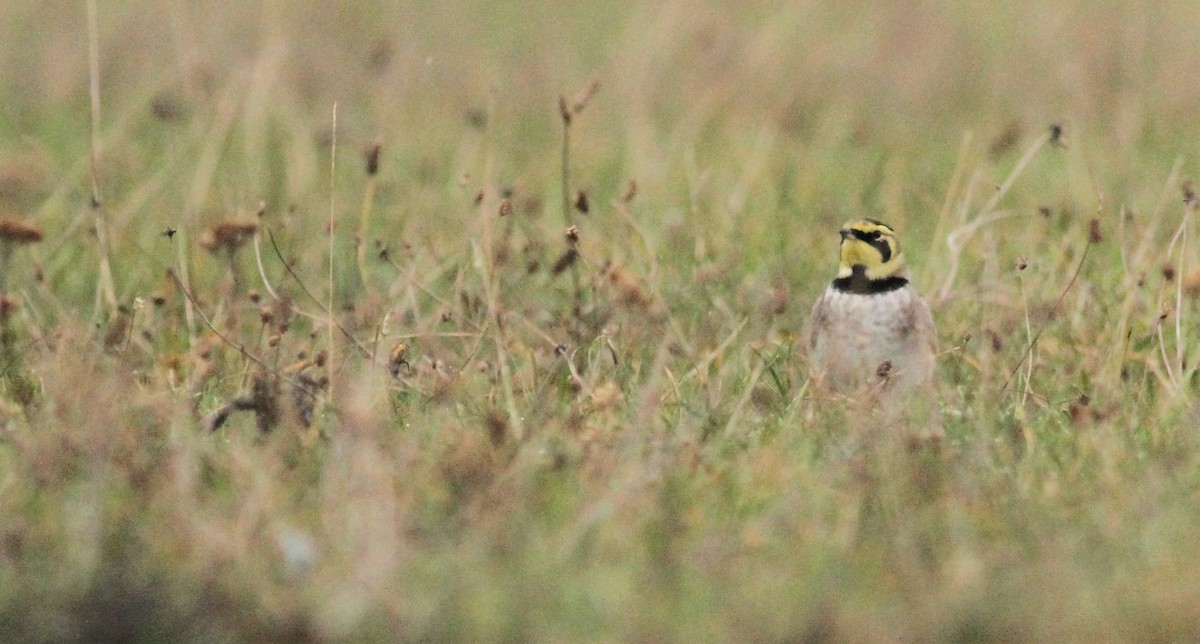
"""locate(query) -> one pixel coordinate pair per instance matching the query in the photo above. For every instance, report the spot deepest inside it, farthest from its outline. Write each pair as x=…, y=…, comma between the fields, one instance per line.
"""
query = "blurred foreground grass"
x=606, y=438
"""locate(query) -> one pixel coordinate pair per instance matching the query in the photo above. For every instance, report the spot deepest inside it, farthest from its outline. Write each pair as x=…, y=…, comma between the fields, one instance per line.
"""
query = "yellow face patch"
x=873, y=246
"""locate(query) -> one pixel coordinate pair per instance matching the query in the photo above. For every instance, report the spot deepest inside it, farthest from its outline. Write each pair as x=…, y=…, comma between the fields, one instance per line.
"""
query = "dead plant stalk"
x=332, y=206
x=105, y=291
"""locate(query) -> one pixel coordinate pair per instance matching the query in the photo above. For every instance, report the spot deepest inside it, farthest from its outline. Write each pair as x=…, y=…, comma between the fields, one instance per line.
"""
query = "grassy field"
x=324, y=362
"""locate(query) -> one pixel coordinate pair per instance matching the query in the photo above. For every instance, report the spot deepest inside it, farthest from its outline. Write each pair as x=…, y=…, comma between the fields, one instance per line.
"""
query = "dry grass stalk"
x=104, y=286
x=371, y=160
x=332, y=209
x=567, y=112
x=957, y=239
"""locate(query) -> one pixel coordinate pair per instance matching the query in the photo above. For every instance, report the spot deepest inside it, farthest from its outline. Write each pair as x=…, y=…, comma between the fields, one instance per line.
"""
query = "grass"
x=603, y=434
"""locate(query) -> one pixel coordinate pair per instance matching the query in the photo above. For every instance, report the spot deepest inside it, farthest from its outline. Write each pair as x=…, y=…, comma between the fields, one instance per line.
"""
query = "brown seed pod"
x=228, y=236
x=16, y=231
x=371, y=157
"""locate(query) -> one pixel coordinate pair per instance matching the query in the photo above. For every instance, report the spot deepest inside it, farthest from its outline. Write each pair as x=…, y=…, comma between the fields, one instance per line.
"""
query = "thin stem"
x=104, y=287
x=1030, y=336
x=368, y=206
x=566, y=113
x=1057, y=304
x=226, y=339
x=6, y=250
x=332, y=205
x=314, y=298
x=566, y=162
x=94, y=94
x=957, y=239
x=262, y=271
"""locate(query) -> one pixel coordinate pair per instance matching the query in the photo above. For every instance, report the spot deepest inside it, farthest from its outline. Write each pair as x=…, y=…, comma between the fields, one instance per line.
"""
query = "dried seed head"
x=8, y=307
x=581, y=202
x=884, y=371
x=1168, y=271
x=1058, y=136
x=777, y=302
x=996, y=341
x=476, y=118
x=1078, y=408
x=630, y=191
x=568, y=111
x=564, y=111
x=531, y=205
x=572, y=235
x=506, y=207
x=629, y=290
x=1005, y=140
x=565, y=261
x=118, y=331
x=1191, y=282
x=371, y=156
x=1189, y=192
x=228, y=236
x=584, y=97
x=281, y=314
x=497, y=427
x=379, y=56
x=16, y=231
x=168, y=106
x=1095, y=236
x=1022, y=263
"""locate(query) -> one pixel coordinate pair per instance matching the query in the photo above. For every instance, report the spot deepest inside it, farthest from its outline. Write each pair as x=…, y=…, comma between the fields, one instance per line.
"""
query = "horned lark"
x=872, y=336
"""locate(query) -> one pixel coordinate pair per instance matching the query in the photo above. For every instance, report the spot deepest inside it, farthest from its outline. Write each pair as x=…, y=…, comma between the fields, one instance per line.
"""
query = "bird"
x=872, y=337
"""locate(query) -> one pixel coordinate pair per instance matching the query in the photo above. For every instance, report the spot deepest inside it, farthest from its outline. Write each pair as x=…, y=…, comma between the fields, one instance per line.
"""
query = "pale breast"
x=859, y=340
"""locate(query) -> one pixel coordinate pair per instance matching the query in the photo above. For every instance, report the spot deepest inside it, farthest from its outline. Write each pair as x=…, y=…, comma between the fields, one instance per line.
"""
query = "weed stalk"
x=371, y=156
x=104, y=287
x=567, y=111
x=332, y=207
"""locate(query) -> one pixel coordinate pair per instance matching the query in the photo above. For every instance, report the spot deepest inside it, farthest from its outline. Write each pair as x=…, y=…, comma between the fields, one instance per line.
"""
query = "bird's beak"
x=845, y=233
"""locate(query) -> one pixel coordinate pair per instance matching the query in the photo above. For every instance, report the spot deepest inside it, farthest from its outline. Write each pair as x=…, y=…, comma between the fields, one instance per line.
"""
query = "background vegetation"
x=604, y=434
